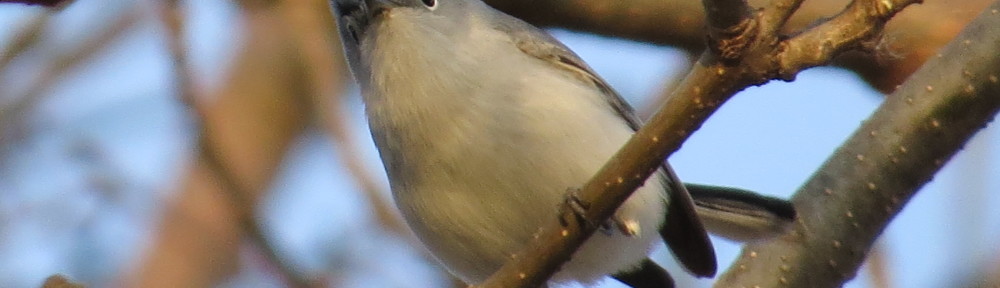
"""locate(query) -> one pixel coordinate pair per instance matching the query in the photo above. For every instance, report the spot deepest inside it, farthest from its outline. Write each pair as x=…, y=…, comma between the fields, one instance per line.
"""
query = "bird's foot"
x=574, y=208
x=578, y=209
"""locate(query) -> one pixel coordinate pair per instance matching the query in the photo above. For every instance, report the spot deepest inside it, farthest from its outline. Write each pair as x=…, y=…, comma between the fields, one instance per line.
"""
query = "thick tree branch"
x=710, y=83
x=850, y=200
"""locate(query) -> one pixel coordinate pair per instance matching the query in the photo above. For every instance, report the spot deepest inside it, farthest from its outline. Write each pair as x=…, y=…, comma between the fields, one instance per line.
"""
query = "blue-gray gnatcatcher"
x=483, y=122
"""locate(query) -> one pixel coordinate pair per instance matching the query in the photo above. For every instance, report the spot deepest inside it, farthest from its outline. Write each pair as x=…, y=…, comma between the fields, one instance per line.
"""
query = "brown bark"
x=910, y=39
x=252, y=121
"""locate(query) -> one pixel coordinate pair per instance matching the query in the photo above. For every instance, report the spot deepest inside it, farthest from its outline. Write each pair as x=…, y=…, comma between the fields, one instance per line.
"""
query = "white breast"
x=481, y=154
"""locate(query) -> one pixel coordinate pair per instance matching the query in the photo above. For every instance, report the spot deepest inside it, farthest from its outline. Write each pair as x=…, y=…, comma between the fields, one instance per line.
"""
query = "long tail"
x=741, y=215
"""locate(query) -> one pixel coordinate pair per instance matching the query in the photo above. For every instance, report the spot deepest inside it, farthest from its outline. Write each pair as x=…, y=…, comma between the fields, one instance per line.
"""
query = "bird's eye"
x=429, y=3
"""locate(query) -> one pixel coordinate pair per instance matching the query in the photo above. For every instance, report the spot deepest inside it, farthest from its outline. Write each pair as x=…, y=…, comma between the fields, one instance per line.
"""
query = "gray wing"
x=682, y=230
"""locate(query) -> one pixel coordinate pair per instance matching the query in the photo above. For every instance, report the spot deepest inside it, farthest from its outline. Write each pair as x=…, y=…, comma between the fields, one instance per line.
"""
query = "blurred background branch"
x=60, y=281
x=247, y=127
x=49, y=3
x=209, y=154
x=16, y=107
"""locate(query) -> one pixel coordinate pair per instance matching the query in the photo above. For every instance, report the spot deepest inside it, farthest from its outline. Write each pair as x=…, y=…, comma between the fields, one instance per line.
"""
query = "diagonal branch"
x=24, y=39
x=709, y=84
x=851, y=199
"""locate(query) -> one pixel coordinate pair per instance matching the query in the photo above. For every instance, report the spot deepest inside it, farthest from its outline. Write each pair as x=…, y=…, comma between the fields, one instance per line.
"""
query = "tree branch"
x=710, y=83
x=912, y=38
x=850, y=200
x=208, y=154
x=857, y=24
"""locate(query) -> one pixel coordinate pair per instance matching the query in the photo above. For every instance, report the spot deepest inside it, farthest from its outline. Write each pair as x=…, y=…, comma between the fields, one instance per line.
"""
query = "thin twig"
x=47, y=3
x=173, y=19
x=25, y=38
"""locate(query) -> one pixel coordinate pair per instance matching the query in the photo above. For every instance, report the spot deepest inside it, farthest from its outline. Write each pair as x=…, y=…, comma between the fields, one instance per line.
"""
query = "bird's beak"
x=354, y=16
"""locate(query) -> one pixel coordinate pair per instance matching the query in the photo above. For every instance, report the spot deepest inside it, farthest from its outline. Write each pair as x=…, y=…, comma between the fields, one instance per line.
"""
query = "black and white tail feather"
x=732, y=213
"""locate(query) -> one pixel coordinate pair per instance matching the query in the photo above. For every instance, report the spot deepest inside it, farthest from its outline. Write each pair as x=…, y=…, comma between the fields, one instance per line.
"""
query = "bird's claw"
x=575, y=207
x=578, y=209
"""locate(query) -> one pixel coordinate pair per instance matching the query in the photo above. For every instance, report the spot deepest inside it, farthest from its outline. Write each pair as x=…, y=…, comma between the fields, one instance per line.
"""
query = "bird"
x=483, y=122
